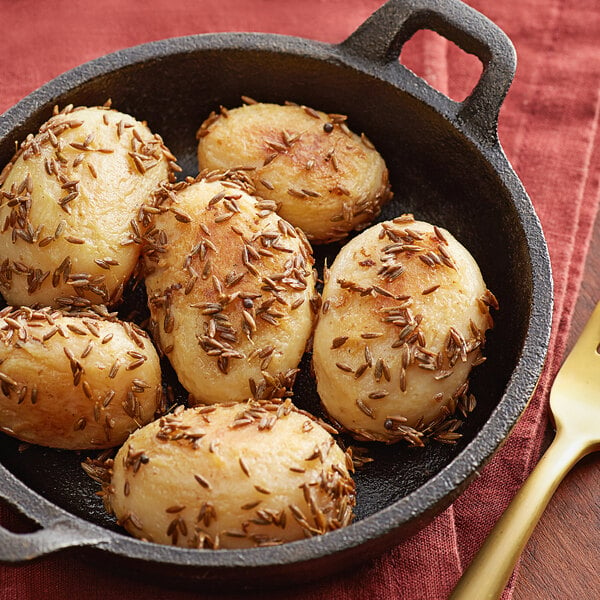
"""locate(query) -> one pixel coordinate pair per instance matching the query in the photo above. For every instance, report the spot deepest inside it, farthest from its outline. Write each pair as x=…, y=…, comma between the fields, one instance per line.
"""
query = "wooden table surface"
x=561, y=559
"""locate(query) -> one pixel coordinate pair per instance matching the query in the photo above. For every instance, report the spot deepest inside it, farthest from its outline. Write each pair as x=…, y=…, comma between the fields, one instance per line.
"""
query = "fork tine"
x=588, y=343
x=575, y=393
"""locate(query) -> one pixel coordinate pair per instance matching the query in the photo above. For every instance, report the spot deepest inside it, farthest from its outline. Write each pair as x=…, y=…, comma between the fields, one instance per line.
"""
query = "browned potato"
x=399, y=367
x=67, y=200
x=325, y=179
x=75, y=381
x=230, y=288
x=231, y=476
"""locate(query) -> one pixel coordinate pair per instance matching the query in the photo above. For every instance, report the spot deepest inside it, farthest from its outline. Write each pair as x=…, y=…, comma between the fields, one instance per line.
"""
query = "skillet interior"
x=436, y=172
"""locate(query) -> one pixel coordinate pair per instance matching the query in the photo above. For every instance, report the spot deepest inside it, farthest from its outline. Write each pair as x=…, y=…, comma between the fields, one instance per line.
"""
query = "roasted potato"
x=75, y=381
x=325, y=179
x=398, y=369
x=67, y=202
x=231, y=476
x=230, y=287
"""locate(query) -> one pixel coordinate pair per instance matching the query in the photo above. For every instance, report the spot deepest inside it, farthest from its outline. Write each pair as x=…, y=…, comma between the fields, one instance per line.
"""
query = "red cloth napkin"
x=549, y=131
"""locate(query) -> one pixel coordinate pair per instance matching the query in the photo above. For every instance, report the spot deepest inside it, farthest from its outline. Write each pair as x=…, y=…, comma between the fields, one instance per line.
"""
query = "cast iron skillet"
x=446, y=166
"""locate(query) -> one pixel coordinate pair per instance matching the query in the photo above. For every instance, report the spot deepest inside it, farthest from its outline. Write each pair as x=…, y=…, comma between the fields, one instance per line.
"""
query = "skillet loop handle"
x=381, y=37
x=21, y=547
x=60, y=532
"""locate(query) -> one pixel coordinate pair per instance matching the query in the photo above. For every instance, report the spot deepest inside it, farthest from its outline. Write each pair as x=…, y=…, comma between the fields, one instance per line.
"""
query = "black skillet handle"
x=61, y=532
x=381, y=37
x=21, y=547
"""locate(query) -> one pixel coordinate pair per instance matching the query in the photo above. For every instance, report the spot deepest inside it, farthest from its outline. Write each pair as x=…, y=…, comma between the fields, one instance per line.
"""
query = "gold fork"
x=575, y=407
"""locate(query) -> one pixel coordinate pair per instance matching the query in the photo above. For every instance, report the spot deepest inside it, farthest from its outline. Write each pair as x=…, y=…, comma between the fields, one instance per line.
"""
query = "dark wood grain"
x=561, y=559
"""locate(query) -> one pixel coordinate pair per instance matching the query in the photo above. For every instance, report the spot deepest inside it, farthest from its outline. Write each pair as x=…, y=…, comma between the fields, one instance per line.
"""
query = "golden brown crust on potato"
x=230, y=286
x=231, y=476
x=75, y=380
x=399, y=368
x=325, y=179
x=67, y=200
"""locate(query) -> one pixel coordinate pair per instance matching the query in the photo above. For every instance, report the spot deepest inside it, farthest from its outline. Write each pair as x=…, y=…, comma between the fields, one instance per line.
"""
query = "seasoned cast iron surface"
x=436, y=173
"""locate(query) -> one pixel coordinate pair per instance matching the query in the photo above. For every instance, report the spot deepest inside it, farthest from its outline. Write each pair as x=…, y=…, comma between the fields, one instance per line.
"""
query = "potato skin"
x=67, y=200
x=325, y=179
x=230, y=288
x=75, y=381
x=399, y=368
x=231, y=476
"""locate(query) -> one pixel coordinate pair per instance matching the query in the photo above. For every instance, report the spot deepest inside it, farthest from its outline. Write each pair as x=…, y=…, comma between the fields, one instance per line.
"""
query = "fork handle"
x=492, y=566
